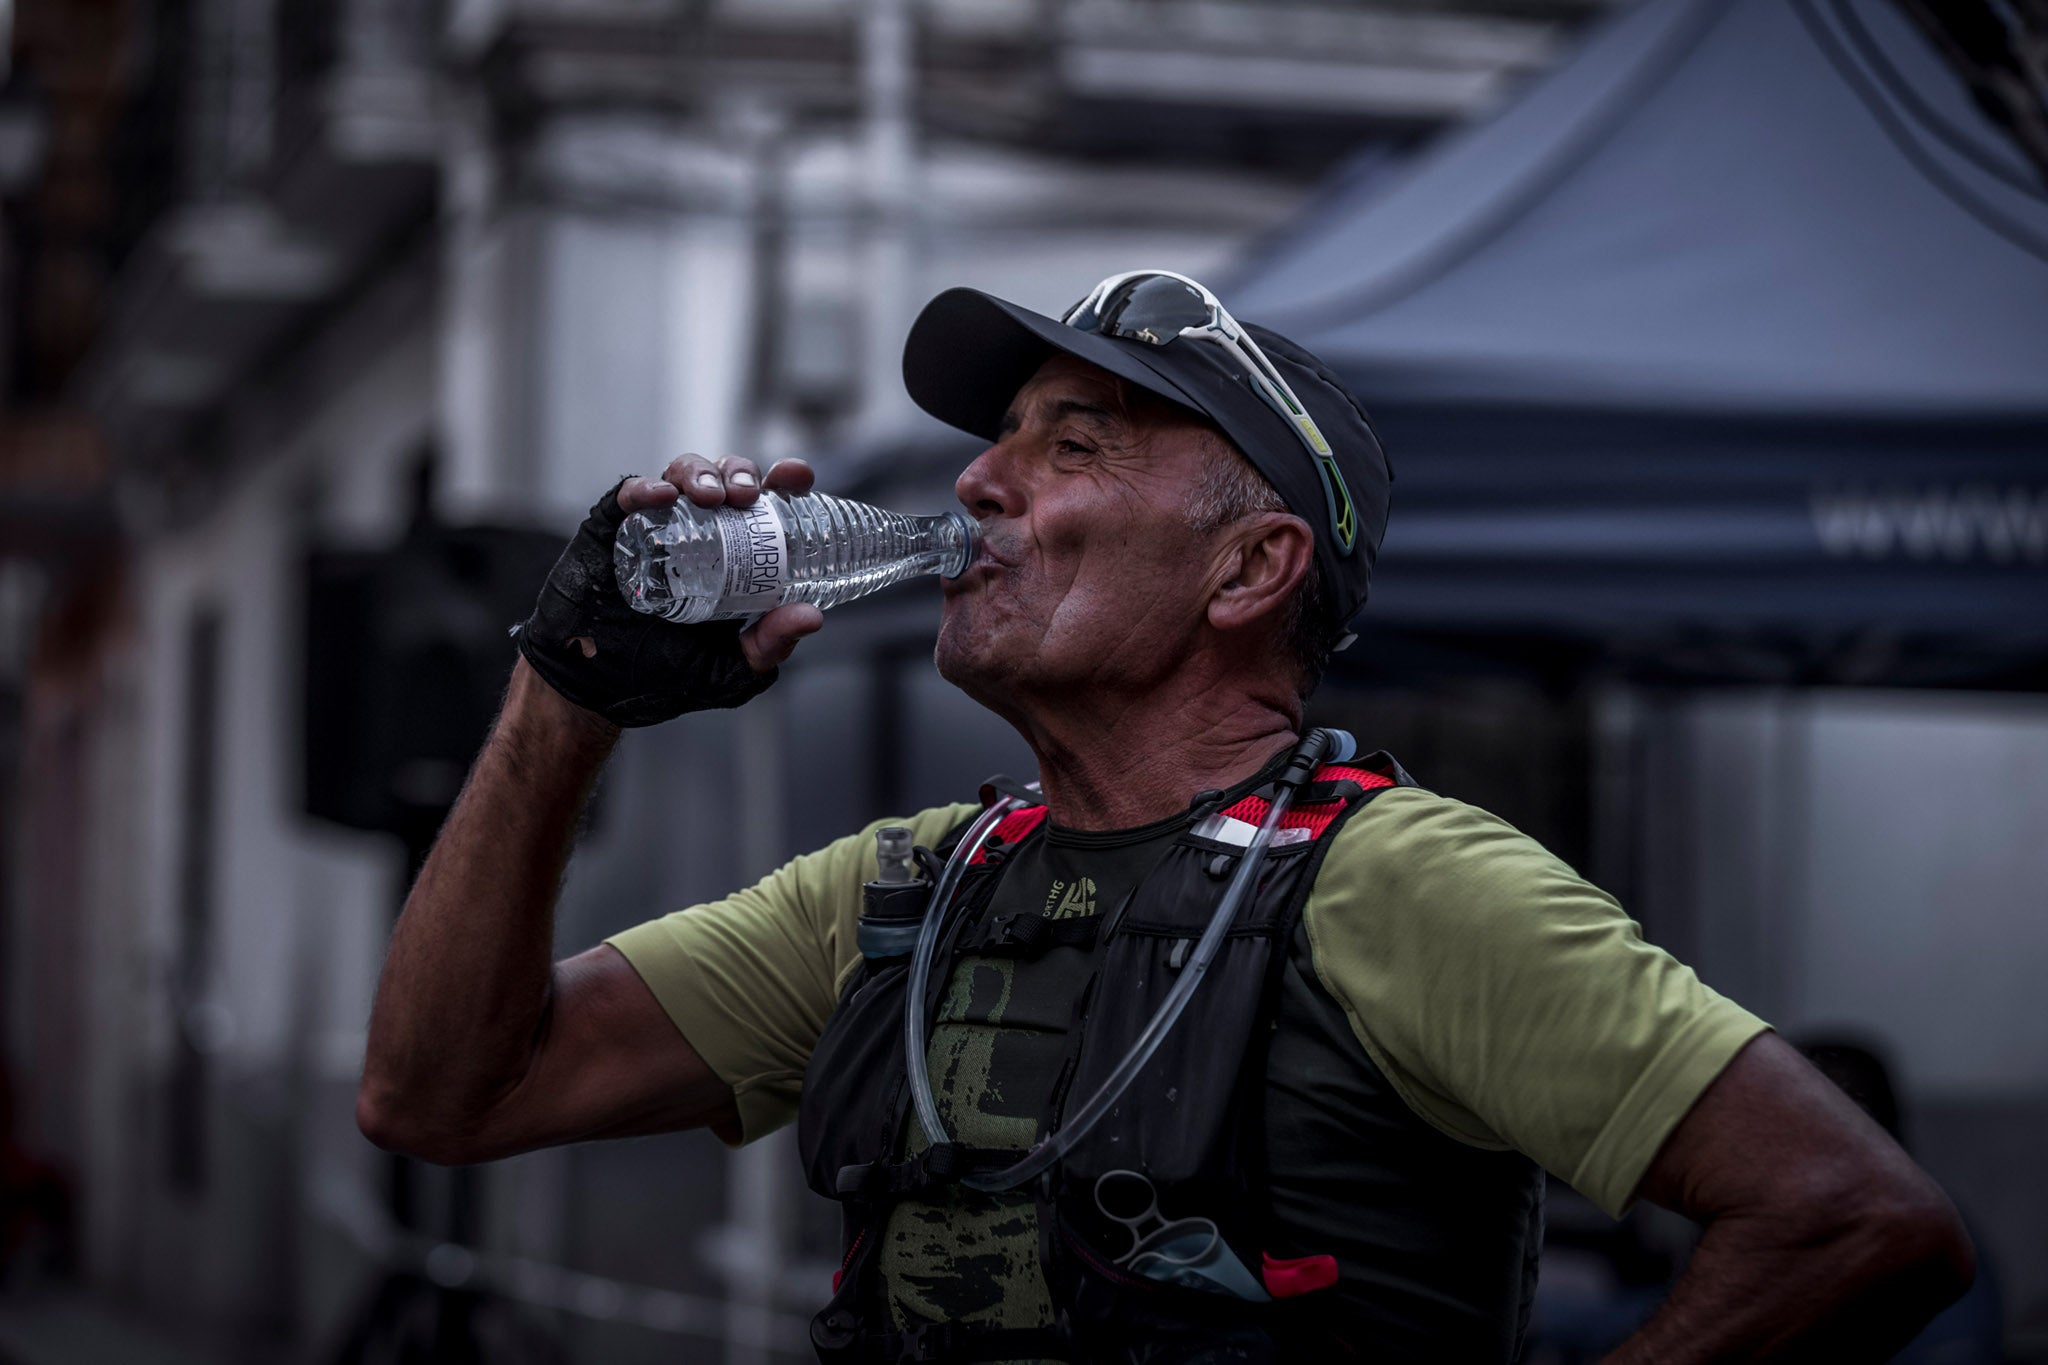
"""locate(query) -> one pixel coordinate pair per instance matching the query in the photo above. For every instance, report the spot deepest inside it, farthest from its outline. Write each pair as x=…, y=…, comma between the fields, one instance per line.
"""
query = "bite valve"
x=894, y=862
x=893, y=904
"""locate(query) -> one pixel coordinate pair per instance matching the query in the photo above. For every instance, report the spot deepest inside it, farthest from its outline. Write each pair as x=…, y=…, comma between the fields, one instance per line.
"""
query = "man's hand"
x=735, y=481
x=1823, y=1240
x=634, y=669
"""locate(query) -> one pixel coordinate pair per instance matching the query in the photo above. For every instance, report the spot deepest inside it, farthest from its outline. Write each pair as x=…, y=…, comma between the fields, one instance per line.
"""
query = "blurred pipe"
x=763, y=131
x=888, y=87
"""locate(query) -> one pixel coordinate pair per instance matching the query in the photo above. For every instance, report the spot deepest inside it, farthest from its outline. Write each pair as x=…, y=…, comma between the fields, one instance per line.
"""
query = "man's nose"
x=984, y=487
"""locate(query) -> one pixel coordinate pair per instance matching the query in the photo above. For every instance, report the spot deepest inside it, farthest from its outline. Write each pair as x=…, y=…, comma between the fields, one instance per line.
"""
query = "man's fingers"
x=733, y=479
x=637, y=495
x=698, y=479
x=789, y=476
x=742, y=480
x=771, y=639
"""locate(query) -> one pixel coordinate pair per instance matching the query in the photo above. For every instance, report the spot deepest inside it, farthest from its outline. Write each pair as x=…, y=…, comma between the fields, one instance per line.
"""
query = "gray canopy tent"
x=1722, y=352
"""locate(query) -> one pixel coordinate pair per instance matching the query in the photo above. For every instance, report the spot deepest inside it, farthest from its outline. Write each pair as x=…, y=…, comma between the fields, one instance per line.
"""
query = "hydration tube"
x=921, y=964
x=1316, y=748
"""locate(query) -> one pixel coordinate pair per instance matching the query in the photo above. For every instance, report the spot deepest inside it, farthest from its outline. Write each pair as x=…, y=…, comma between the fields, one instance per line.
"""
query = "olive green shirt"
x=1510, y=1003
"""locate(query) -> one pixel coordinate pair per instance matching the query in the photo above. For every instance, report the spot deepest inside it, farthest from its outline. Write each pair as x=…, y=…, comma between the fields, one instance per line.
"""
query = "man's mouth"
x=977, y=578
x=990, y=558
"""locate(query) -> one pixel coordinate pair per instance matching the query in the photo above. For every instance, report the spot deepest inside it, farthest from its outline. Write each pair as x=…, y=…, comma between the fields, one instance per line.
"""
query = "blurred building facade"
x=288, y=279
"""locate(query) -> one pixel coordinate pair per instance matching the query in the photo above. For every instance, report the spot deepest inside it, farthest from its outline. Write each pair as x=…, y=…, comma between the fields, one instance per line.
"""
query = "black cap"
x=968, y=353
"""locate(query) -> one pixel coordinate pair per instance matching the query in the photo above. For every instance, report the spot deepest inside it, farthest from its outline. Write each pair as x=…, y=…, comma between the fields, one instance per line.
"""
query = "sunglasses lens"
x=1156, y=309
x=1152, y=309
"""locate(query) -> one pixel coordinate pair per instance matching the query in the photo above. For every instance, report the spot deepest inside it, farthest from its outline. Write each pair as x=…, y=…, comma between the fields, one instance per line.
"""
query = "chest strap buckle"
x=939, y=1165
x=1031, y=934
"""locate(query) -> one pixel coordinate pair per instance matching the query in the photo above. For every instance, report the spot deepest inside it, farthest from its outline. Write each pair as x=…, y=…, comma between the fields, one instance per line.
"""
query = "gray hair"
x=1231, y=490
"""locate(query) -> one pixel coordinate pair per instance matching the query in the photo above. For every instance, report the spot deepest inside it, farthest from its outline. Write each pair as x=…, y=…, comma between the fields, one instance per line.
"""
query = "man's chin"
x=951, y=656
x=964, y=661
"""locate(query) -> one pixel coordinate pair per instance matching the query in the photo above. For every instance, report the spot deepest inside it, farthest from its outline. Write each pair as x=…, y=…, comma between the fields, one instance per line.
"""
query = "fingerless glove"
x=642, y=670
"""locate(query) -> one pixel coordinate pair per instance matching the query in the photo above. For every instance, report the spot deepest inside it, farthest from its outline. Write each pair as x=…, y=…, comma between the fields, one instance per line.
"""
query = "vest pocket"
x=839, y=1121
x=1113, y=1311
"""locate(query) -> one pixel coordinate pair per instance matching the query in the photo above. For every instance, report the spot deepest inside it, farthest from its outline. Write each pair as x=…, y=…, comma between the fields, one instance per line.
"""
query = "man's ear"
x=1267, y=557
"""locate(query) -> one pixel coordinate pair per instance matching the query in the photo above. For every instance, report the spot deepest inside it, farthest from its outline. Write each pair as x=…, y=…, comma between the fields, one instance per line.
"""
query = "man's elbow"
x=394, y=1125
x=1943, y=1255
x=1915, y=1243
x=382, y=1120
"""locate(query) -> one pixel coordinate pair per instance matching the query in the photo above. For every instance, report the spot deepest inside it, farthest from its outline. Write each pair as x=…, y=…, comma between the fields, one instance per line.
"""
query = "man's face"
x=1089, y=575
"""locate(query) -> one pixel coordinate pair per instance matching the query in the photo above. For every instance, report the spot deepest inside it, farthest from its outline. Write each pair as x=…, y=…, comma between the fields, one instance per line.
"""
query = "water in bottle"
x=688, y=563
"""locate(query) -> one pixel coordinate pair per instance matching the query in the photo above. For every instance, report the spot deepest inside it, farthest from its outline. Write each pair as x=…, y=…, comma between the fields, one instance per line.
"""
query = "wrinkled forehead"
x=1068, y=388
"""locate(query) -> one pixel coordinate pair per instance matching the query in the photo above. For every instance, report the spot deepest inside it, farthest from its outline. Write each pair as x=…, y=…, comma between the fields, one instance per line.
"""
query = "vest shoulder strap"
x=1315, y=808
x=1011, y=829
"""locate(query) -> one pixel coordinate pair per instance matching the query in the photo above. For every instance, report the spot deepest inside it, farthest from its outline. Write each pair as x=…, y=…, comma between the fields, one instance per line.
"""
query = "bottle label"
x=756, y=559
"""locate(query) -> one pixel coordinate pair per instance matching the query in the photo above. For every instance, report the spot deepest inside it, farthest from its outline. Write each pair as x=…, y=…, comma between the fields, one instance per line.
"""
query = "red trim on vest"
x=1302, y=1274
x=1010, y=829
x=1315, y=819
x=1252, y=809
x=846, y=1263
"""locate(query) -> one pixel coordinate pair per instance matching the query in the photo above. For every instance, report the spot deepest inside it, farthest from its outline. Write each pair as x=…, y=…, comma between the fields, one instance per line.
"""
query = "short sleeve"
x=1508, y=1000
x=751, y=979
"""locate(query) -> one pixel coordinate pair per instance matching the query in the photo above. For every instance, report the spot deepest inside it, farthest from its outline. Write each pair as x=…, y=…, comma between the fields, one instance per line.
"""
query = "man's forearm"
x=465, y=985
x=1763, y=1288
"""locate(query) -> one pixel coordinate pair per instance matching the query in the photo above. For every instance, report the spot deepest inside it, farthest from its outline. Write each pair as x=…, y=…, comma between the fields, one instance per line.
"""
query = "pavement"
x=53, y=1325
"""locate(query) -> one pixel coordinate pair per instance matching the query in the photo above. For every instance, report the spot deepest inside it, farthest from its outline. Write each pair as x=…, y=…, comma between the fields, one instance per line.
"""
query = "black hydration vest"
x=1191, y=1123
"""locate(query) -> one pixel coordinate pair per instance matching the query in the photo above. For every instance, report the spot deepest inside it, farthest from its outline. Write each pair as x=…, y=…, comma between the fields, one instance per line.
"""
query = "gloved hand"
x=634, y=669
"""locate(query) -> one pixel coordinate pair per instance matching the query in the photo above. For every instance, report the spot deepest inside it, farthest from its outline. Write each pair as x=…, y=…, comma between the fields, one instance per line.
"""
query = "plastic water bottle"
x=688, y=563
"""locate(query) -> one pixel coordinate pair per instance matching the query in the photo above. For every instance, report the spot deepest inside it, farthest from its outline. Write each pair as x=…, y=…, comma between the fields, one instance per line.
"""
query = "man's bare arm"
x=479, y=1045
x=1823, y=1240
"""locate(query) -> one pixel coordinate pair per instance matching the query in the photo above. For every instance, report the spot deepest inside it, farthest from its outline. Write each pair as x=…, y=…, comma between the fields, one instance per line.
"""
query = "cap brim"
x=968, y=353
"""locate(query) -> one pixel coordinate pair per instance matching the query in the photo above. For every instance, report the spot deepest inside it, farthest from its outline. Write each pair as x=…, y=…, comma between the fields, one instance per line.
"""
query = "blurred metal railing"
x=351, y=1208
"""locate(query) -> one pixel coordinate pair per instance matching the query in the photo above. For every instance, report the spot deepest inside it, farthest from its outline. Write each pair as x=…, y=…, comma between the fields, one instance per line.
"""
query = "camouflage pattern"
x=959, y=1255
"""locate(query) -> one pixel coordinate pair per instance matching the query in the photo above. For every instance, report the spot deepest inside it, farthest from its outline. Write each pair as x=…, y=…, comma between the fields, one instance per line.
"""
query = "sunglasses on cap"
x=1157, y=306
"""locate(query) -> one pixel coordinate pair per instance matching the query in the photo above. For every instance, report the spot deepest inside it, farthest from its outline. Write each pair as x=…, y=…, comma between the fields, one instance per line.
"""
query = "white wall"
x=1873, y=864
x=1875, y=860
x=298, y=912
x=1927, y=892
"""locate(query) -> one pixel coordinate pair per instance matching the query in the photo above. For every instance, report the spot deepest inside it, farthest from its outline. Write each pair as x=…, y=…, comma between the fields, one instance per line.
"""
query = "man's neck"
x=1120, y=768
